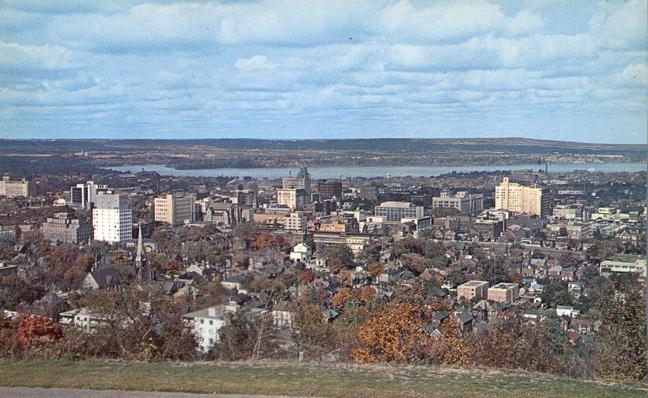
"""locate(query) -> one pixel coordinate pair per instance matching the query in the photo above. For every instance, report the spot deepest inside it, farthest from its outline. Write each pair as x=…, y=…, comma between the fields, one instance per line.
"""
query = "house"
x=566, y=310
x=282, y=316
x=301, y=253
x=110, y=276
x=207, y=322
x=465, y=321
x=583, y=326
x=574, y=337
x=234, y=282
x=82, y=318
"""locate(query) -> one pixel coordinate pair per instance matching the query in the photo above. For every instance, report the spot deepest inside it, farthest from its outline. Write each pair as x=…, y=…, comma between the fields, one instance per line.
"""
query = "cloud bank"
x=324, y=69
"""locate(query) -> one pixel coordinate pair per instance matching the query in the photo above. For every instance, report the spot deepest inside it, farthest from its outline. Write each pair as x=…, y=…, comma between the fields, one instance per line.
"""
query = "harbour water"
x=377, y=171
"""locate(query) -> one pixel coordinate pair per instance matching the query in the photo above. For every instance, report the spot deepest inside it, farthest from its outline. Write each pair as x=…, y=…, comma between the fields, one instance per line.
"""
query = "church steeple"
x=140, y=257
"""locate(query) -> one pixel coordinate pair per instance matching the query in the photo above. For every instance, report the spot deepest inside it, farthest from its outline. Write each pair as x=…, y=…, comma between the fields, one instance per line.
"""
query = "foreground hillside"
x=285, y=378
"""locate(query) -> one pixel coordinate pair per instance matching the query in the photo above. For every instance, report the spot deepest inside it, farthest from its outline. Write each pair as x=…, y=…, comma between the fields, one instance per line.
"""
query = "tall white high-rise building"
x=522, y=199
x=112, y=219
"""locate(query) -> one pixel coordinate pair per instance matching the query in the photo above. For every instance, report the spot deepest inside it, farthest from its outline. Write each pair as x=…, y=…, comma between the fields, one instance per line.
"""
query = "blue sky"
x=550, y=69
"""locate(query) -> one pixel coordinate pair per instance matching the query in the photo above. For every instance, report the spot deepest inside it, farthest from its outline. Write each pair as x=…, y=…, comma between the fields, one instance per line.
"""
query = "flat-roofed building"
x=296, y=221
x=356, y=242
x=393, y=212
x=504, y=292
x=292, y=198
x=522, y=199
x=638, y=266
x=472, y=289
x=328, y=189
x=112, y=219
x=175, y=208
x=84, y=195
x=14, y=189
x=463, y=201
x=67, y=228
x=488, y=229
x=564, y=212
x=300, y=181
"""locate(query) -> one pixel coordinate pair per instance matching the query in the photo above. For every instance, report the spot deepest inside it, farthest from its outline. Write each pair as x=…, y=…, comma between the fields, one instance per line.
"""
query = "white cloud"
x=362, y=67
x=14, y=55
x=621, y=27
x=452, y=20
x=256, y=62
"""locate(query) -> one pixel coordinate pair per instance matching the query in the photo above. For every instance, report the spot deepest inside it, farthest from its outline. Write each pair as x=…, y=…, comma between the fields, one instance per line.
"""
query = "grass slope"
x=285, y=378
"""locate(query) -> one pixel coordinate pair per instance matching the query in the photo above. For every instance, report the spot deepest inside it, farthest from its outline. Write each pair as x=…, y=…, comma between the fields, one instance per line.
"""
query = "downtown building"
x=112, y=219
x=328, y=189
x=175, y=208
x=14, y=189
x=292, y=198
x=522, y=199
x=67, y=228
x=393, y=212
x=84, y=195
x=301, y=181
x=463, y=201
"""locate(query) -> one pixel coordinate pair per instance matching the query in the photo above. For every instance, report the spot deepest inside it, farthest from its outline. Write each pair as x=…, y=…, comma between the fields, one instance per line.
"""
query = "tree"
x=456, y=278
x=15, y=290
x=313, y=336
x=35, y=330
x=393, y=334
x=238, y=337
x=556, y=293
x=375, y=269
x=305, y=277
x=408, y=246
x=622, y=336
x=370, y=254
x=337, y=257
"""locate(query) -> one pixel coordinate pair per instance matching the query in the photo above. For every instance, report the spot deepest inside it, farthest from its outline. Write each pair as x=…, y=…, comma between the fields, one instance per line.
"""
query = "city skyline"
x=550, y=70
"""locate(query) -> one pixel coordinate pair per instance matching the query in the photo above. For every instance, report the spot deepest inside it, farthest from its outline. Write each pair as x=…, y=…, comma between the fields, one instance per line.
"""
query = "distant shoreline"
x=375, y=171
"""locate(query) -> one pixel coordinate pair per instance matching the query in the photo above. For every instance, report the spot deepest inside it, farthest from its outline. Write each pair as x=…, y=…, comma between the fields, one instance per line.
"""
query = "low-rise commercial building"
x=393, y=212
x=504, y=293
x=463, y=201
x=472, y=289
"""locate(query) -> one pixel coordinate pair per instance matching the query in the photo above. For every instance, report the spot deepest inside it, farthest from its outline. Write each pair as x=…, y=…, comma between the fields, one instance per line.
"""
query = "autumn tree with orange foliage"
x=341, y=297
x=449, y=348
x=394, y=334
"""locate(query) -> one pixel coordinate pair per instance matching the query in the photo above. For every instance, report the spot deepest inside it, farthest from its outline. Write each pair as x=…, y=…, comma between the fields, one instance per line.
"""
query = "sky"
x=547, y=69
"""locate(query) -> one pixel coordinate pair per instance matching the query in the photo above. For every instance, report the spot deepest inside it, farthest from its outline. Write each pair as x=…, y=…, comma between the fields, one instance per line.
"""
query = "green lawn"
x=286, y=378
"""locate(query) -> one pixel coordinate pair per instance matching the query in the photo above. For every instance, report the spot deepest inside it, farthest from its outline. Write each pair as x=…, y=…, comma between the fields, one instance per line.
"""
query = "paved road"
x=24, y=392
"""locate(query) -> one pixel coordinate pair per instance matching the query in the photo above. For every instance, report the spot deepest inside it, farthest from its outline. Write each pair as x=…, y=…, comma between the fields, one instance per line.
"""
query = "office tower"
x=300, y=181
x=329, y=189
x=522, y=199
x=294, y=199
x=14, y=189
x=175, y=208
x=463, y=201
x=84, y=195
x=112, y=219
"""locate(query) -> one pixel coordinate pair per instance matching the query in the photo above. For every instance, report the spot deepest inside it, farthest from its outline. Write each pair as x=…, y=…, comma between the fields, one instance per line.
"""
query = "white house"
x=301, y=252
x=207, y=322
x=567, y=310
x=82, y=318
